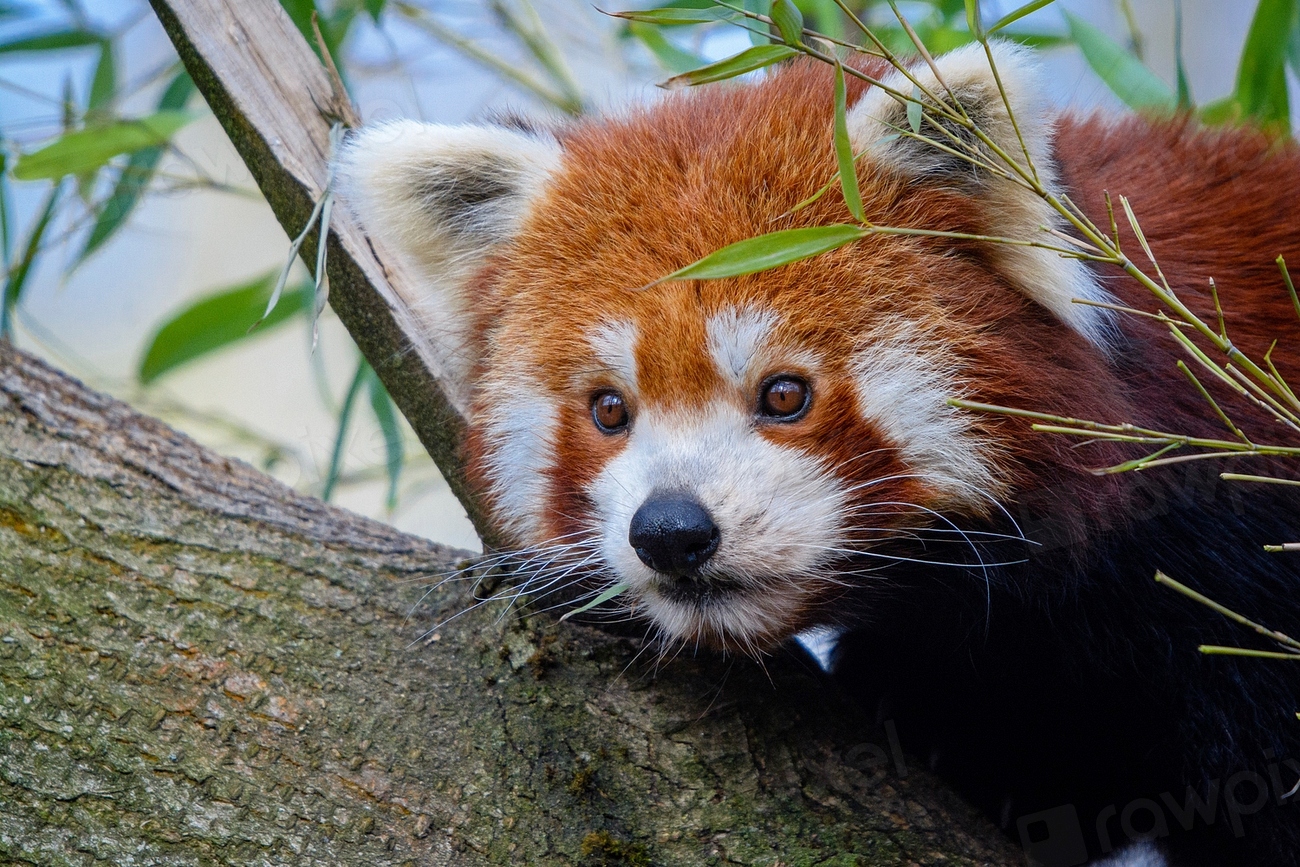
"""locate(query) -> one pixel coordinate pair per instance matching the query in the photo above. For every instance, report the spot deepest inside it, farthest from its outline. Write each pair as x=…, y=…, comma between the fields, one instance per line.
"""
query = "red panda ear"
x=878, y=124
x=444, y=198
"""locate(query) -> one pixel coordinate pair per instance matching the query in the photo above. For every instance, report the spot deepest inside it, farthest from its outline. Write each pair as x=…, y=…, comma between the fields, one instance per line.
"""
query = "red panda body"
x=763, y=454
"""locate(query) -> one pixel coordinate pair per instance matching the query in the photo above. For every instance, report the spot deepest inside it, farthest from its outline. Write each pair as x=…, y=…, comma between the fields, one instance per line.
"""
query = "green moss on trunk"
x=199, y=666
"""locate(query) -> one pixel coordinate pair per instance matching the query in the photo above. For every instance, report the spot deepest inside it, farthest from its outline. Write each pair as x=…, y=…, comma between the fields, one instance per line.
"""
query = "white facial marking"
x=777, y=511
x=614, y=344
x=443, y=198
x=903, y=381
x=1009, y=208
x=520, y=430
x=736, y=337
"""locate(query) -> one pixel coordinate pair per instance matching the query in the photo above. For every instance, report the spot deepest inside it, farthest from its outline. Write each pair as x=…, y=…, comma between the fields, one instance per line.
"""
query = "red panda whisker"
x=544, y=581
x=924, y=532
x=551, y=587
x=485, y=562
x=898, y=557
x=513, y=593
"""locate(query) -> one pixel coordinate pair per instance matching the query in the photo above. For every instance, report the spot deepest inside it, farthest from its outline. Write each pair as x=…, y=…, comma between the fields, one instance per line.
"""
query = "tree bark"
x=277, y=104
x=199, y=666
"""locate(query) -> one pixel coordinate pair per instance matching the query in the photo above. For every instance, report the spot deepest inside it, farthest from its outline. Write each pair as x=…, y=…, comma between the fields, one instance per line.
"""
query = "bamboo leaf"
x=826, y=18
x=87, y=149
x=1124, y=74
x=669, y=17
x=345, y=421
x=1221, y=111
x=749, y=60
x=1261, y=77
x=605, y=595
x=914, y=110
x=18, y=274
x=788, y=20
x=769, y=251
x=215, y=322
x=386, y=414
x=670, y=57
x=54, y=41
x=1185, y=102
x=103, y=87
x=758, y=35
x=6, y=237
x=1293, y=44
x=1016, y=14
x=844, y=150
x=135, y=176
x=973, y=18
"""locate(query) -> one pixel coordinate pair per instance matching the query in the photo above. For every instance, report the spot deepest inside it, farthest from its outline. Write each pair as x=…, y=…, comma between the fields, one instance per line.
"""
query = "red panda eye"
x=784, y=397
x=609, y=412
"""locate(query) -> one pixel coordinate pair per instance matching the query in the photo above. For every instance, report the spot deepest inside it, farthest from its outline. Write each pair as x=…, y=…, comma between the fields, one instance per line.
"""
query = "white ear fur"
x=1013, y=210
x=444, y=197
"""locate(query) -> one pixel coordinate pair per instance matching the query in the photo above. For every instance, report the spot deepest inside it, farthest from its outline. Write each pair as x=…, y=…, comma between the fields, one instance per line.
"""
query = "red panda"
x=761, y=455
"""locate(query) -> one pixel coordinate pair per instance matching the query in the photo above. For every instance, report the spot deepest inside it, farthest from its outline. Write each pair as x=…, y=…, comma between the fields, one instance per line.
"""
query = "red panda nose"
x=673, y=534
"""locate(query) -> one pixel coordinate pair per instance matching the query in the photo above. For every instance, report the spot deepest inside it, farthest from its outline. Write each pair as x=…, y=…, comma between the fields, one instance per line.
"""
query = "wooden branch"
x=199, y=666
x=270, y=92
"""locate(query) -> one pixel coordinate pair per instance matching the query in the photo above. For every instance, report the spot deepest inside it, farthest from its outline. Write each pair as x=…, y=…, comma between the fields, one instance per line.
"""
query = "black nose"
x=673, y=534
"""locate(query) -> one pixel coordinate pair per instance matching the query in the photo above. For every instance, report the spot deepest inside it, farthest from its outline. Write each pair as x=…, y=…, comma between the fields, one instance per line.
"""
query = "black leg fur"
x=1074, y=680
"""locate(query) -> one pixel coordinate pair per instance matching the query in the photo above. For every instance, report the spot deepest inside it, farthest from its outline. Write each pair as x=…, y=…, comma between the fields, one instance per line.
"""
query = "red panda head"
x=733, y=449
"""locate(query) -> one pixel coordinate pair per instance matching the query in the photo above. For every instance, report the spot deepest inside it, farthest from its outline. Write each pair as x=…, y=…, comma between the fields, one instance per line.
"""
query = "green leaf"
x=748, y=60
x=788, y=20
x=1222, y=111
x=1016, y=14
x=1185, y=102
x=386, y=414
x=103, y=87
x=300, y=14
x=605, y=595
x=826, y=17
x=177, y=93
x=844, y=150
x=215, y=322
x=670, y=17
x=973, y=17
x=345, y=421
x=1128, y=77
x=1261, y=77
x=1036, y=40
x=769, y=251
x=68, y=104
x=87, y=149
x=757, y=33
x=1293, y=44
x=54, y=41
x=914, y=110
x=6, y=237
x=17, y=279
x=135, y=176
x=670, y=57
x=375, y=8
x=332, y=29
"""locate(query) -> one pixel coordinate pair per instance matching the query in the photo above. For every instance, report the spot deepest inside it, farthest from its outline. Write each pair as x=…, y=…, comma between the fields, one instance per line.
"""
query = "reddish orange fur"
x=1075, y=677
x=649, y=193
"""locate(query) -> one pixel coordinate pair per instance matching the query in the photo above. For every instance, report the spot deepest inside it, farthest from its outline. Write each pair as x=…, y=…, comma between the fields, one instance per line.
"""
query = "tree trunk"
x=200, y=666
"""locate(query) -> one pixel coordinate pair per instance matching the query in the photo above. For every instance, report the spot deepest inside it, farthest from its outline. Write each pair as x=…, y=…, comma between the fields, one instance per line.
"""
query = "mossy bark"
x=200, y=666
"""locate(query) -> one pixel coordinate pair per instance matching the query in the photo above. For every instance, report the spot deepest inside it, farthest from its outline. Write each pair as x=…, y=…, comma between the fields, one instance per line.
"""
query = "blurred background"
x=137, y=251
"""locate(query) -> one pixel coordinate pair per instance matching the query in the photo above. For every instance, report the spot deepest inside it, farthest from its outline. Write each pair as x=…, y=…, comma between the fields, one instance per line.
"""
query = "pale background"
x=185, y=243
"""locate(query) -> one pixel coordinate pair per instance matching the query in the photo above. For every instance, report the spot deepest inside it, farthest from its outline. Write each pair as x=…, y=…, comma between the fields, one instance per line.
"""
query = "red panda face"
x=735, y=451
